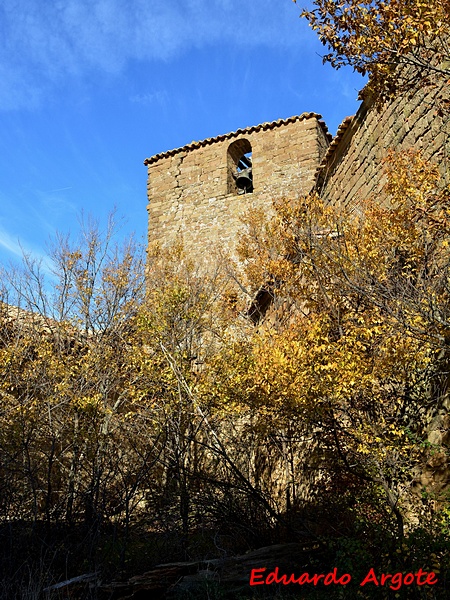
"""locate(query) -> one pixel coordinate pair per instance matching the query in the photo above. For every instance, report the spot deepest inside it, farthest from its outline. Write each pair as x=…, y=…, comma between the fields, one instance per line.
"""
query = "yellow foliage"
x=358, y=320
x=375, y=37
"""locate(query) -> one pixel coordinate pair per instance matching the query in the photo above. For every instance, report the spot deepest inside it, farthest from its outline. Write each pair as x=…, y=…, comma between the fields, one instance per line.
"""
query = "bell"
x=244, y=180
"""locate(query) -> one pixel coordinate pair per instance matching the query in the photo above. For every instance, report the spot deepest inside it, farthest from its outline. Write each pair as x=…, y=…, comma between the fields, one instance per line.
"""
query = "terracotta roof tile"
x=337, y=138
x=335, y=142
x=247, y=130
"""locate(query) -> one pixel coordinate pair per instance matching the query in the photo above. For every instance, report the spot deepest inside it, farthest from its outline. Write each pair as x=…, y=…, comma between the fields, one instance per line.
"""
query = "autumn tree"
x=180, y=324
x=377, y=37
x=359, y=354
x=79, y=437
x=190, y=313
x=168, y=410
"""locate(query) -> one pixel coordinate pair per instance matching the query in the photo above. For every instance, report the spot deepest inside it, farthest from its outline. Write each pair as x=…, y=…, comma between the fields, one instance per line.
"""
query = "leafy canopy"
x=375, y=36
x=355, y=344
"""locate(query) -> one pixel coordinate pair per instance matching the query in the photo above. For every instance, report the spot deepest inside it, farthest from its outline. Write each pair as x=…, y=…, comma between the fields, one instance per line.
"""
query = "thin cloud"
x=158, y=97
x=54, y=203
x=43, y=44
x=19, y=249
x=9, y=243
x=60, y=190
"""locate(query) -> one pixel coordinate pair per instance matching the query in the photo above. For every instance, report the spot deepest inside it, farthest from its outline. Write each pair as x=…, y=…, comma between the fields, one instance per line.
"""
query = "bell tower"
x=200, y=191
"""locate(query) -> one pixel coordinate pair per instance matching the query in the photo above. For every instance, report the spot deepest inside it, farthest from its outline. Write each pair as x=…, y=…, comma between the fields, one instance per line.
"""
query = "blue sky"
x=90, y=88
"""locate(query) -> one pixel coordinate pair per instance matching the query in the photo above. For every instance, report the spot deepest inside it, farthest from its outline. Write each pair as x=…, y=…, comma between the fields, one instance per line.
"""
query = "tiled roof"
x=10, y=313
x=337, y=138
x=247, y=130
x=335, y=143
x=20, y=317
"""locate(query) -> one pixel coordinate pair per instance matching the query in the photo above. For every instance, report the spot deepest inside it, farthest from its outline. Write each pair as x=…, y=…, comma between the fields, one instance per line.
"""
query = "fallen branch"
x=85, y=577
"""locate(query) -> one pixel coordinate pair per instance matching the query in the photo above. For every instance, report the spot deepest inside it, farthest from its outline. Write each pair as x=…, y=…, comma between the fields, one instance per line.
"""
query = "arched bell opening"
x=240, y=171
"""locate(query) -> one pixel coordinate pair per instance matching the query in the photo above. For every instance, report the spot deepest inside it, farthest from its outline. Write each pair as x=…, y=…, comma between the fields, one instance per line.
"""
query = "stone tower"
x=200, y=191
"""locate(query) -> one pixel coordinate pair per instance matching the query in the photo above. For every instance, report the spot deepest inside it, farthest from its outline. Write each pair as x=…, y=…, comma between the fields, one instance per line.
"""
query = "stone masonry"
x=352, y=169
x=192, y=192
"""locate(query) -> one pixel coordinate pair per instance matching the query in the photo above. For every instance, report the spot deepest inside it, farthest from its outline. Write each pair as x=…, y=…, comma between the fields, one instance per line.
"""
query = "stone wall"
x=354, y=161
x=352, y=170
x=192, y=194
x=191, y=190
